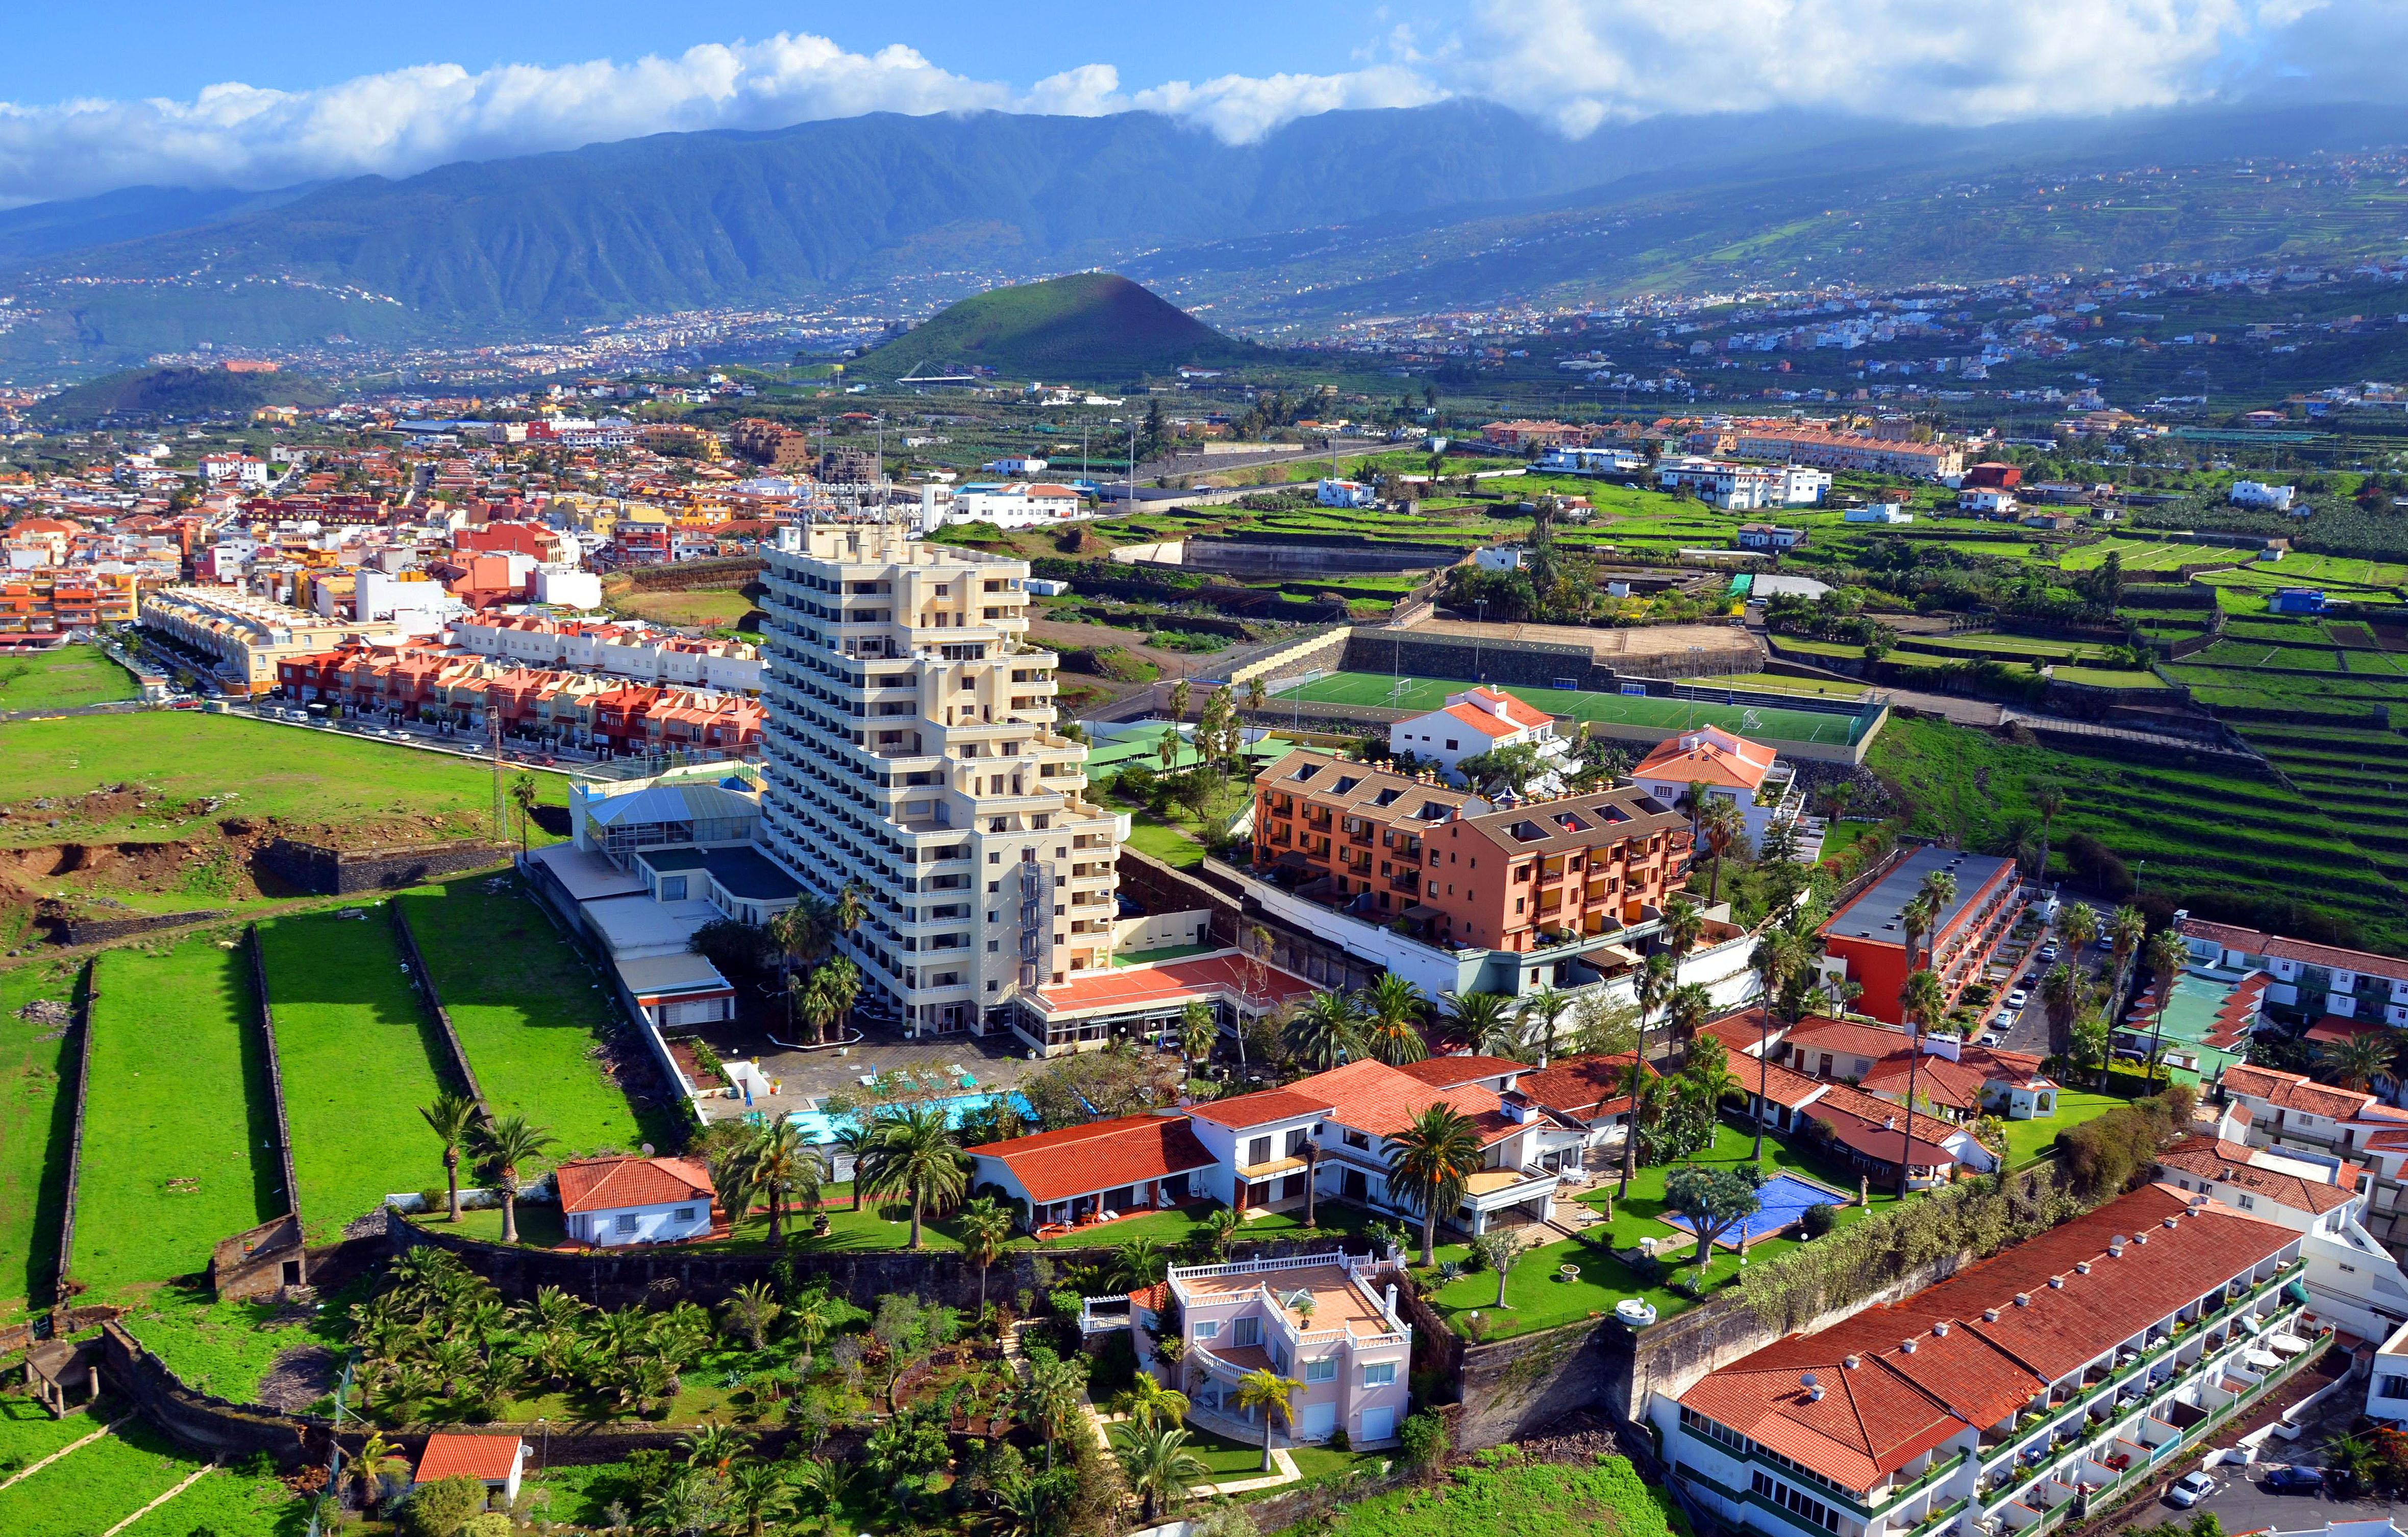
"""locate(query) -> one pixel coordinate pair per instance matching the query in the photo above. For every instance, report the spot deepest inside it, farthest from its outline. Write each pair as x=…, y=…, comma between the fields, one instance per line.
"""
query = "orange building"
x=1455, y=869
x=1869, y=935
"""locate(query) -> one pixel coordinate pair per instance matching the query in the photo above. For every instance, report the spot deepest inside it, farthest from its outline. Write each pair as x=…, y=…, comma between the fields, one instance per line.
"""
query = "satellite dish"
x=647, y=1150
x=1807, y=1380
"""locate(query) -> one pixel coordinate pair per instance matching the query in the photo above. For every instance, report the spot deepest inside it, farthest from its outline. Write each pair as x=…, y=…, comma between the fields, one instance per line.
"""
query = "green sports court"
x=1769, y=722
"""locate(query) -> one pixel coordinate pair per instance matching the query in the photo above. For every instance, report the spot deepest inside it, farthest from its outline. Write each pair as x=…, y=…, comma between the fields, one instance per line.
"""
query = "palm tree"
x=751, y=1309
x=1197, y=1030
x=1053, y=1397
x=452, y=1117
x=1646, y=1091
x=1915, y=918
x=2049, y=801
x=1389, y=1007
x=1428, y=1162
x=1722, y=829
x=1138, y=1264
x=2127, y=930
x=759, y=1496
x=810, y=1315
x=2356, y=1061
x=913, y=1153
x=1547, y=1006
x=523, y=795
x=1158, y=1466
x=711, y=1446
x=1654, y=985
x=780, y=1164
x=1921, y=1000
x=1684, y=924
x=1326, y=1031
x=510, y=1143
x=1485, y=1021
x=1939, y=889
x=1777, y=959
x=851, y=1139
x=828, y=997
x=1148, y=1404
x=2077, y=927
x=986, y=1227
x=1694, y=800
x=1266, y=1390
x=1686, y=1011
x=2168, y=955
x=2060, y=994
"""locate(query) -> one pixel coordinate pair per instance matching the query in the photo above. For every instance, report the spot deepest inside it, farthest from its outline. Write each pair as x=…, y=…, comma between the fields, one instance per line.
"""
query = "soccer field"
x=1760, y=720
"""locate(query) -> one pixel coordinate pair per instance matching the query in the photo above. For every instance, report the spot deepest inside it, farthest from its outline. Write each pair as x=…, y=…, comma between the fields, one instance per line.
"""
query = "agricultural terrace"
x=37, y=1066
x=1767, y=721
x=97, y=1486
x=66, y=678
x=533, y=1028
x=179, y=1129
x=359, y=1053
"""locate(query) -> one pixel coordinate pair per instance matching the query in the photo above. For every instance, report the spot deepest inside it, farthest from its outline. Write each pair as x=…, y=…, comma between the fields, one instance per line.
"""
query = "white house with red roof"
x=2317, y=979
x=1476, y=721
x=494, y=1461
x=2354, y=1282
x=2106, y=1348
x=615, y=1201
x=1060, y=1181
x=1747, y=774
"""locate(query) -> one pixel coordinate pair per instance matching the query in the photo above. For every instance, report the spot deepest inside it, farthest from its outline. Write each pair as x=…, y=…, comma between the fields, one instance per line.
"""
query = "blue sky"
x=275, y=93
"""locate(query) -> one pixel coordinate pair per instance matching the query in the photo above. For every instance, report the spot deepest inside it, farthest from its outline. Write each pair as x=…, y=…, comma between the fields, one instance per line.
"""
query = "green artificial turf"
x=1767, y=722
x=530, y=1012
x=179, y=1132
x=36, y=1123
x=359, y=1053
x=64, y=679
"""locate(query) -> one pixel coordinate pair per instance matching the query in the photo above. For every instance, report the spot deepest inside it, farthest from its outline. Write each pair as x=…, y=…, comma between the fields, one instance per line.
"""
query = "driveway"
x=2243, y=1504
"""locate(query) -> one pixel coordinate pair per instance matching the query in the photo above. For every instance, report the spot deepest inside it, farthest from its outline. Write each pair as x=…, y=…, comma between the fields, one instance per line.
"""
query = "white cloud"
x=1241, y=109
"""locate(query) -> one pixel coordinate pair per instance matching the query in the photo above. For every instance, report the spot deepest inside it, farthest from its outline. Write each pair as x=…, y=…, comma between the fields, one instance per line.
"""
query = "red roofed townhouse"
x=2312, y=979
x=1867, y=936
x=2113, y=1345
x=494, y=1461
x=1059, y=1180
x=1476, y=721
x=610, y=1202
x=1732, y=768
x=1089, y=1009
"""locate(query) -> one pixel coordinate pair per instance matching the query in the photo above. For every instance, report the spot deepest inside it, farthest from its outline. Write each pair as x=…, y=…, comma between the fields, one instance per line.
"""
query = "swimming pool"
x=820, y=1127
x=1781, y=1203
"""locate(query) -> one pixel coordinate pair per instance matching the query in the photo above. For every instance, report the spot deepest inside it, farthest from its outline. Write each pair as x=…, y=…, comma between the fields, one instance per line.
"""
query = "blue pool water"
x=819, y=1127
x=1781, y=1201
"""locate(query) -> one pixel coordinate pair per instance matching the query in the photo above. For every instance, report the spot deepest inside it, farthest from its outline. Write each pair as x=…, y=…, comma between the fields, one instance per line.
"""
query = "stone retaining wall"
x=343, y=872
x=423, y=980
x=64, y=1287
x=275, y=1079
x=74, y=931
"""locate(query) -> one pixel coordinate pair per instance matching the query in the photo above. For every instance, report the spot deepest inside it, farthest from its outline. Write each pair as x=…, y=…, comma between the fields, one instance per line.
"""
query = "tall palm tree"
x=1646, y=1091
x=1197, y=1030
x=1266, y=1390
x=1148, y=1404
x=452, y=1117
x=511, y=1142
x=2077, y=928
x=1486, y=1021
x=913, y=1153
x=1686, y=1011
x=1915, y=919
x=1923, y=1001
x=1428, y=1162
x=2168, y=955
x=2049, y=801
x=851, y=1139
x=1326, y=1031
x=1547, y=1007
x=1158, y=1464
x=1654, y=985
x=1390, y=1006
x=779, y=1163
x=1938, y=888
x=1053, y=1397
x=1777, y=959
x=2356, y=1061
x=2061, y=989
x=1723, y=829
x=1694, y=800
x=2125, y=930
x=828, y=997
x=1684, y=924
x=986, y=1227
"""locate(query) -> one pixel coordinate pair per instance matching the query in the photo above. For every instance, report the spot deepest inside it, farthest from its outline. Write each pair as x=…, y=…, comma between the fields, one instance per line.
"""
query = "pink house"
x=1326, y=1321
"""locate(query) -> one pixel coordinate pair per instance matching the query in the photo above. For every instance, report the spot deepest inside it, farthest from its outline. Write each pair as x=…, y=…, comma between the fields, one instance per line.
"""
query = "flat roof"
x=750, y=874
x=684, y=858
x=638, y=926
x=586, y=875
x=1874, y=914
x=659, y=976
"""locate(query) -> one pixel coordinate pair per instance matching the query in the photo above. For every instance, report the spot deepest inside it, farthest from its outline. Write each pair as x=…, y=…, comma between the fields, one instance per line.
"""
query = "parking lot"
x=2242, y=1503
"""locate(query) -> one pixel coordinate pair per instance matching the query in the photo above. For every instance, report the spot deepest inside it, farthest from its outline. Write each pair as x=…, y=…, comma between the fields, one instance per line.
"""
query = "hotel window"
x=1325, y=1370
x=1379, y=1373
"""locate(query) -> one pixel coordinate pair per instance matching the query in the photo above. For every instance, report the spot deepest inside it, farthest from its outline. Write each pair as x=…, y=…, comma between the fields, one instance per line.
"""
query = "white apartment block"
x=620, y=651
x=910, y=748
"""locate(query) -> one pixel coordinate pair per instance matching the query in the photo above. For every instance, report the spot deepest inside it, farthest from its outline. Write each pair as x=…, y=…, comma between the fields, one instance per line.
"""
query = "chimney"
x=1989, y=1315
x=1907, y=1345
x=1941, y=1329
x=2023, y=1299
x=2139, y=1238
x=2057, y=1282
x=1814, y=1389
x=1851, y=1363
x=2170, y=1224
x=2083, y=1266
x=2115, y=1246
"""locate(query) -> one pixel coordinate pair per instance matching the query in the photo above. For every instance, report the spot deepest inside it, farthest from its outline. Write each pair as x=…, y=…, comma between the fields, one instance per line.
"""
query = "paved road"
x=2029, y=1030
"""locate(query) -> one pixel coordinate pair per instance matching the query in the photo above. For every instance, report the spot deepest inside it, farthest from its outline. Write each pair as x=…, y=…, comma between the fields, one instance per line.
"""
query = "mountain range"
x=1456, y=204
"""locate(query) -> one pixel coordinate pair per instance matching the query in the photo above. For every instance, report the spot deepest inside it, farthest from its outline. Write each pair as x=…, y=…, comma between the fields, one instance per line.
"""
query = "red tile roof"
x=1712, y=755
x=492, y=1458
x=2252, y=942
x=1587, y=1086
x=1368, y=1095
x=2227, y=1163
x=1446, y=1072
x=1172, y=981
x=1099, y=1156
x=1790, y=1090
x=609, y=1183
x=2293, y=1091
x=1894, y=1405
x=1262, y=1107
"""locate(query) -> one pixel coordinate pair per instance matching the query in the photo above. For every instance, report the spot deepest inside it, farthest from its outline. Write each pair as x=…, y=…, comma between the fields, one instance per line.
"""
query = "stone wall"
x=72, y=931
x=275, y=1079
x=64, y=1287
x=210, y=1427
x=1529, y=664
x=343, y=872
x=425, y=982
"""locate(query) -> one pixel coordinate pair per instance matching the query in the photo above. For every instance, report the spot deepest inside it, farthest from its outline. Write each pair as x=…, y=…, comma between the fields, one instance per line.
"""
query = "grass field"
x=359, y=1054
x=1762, y=721
x=2146, y=555
x=36, y=1115
x=529, y=1028
x=226, y=1349
x=178, y=1134
x=227, y=1504
x=2019, y=648
x=63, y=680
x=700, y=610
x=29, y=1434
x=91, y=1489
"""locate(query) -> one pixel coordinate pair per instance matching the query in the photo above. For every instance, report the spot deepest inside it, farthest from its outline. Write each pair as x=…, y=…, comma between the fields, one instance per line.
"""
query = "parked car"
x=2048, y=951
x=2020, y=997
x=2190, y=1489
x=2294, y=1479
x=1991, y=1038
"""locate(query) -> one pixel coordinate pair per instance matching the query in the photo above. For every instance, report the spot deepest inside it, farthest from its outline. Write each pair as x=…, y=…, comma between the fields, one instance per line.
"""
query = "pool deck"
x=806, y=1078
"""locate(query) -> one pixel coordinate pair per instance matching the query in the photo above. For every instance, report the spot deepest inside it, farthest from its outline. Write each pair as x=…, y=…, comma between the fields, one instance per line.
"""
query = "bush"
x=443, y=1507
x=2098, y=866
x=1424, y=1440
x=1819, y=1219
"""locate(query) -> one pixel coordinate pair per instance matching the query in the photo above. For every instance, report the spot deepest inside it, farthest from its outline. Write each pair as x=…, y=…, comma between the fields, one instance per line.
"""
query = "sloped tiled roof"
x=2207, y=1158
x=1446, y=1072
x=1588, y=1086
x=1709, y=754
x=2294, y=1091
x=601, y=1185
x=491, y=1458
x=1263, y=1107
x=1099, y=1156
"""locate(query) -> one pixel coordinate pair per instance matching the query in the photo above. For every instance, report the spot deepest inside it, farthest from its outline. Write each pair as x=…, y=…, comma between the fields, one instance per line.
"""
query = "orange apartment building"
x=1868, y=936
x=1456, y=869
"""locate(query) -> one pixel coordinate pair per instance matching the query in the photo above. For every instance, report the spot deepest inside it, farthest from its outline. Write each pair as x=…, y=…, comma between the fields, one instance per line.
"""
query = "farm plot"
x=2141, y=556
x=533, y=1028
x=359, y=1053
x=1652, y=711
x=93, y=1488
x=37, y=1066
x=179, y=1132
x=2010, y=647
x=64, y=679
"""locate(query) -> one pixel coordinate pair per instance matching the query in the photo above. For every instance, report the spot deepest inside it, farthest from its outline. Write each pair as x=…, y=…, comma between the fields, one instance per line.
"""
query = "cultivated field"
x=63, y=680
x=36, y=1086
x=359, y=1053
x=178, y=1135
x=533, y=1028
x=93, y=1488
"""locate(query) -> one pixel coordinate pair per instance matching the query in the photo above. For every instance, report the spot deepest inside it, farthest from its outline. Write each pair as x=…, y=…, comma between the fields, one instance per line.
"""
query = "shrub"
x=1820, y=1219
x=443, y=1507
x=1424, y=1440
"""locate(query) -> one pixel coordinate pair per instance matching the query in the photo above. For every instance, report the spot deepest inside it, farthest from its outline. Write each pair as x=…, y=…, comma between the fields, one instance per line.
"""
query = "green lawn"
x=1607, y=1499
x=1172, y=843
x=225, y=1348
x=29, y=1434
x=530, y=1026
x=2028, y=1140
x=90, y=1490
x=359, y=1054
x=36, y=1122
x=63, y=680
x=179, y=1133
x=1761, y=721
x=227, y=1504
